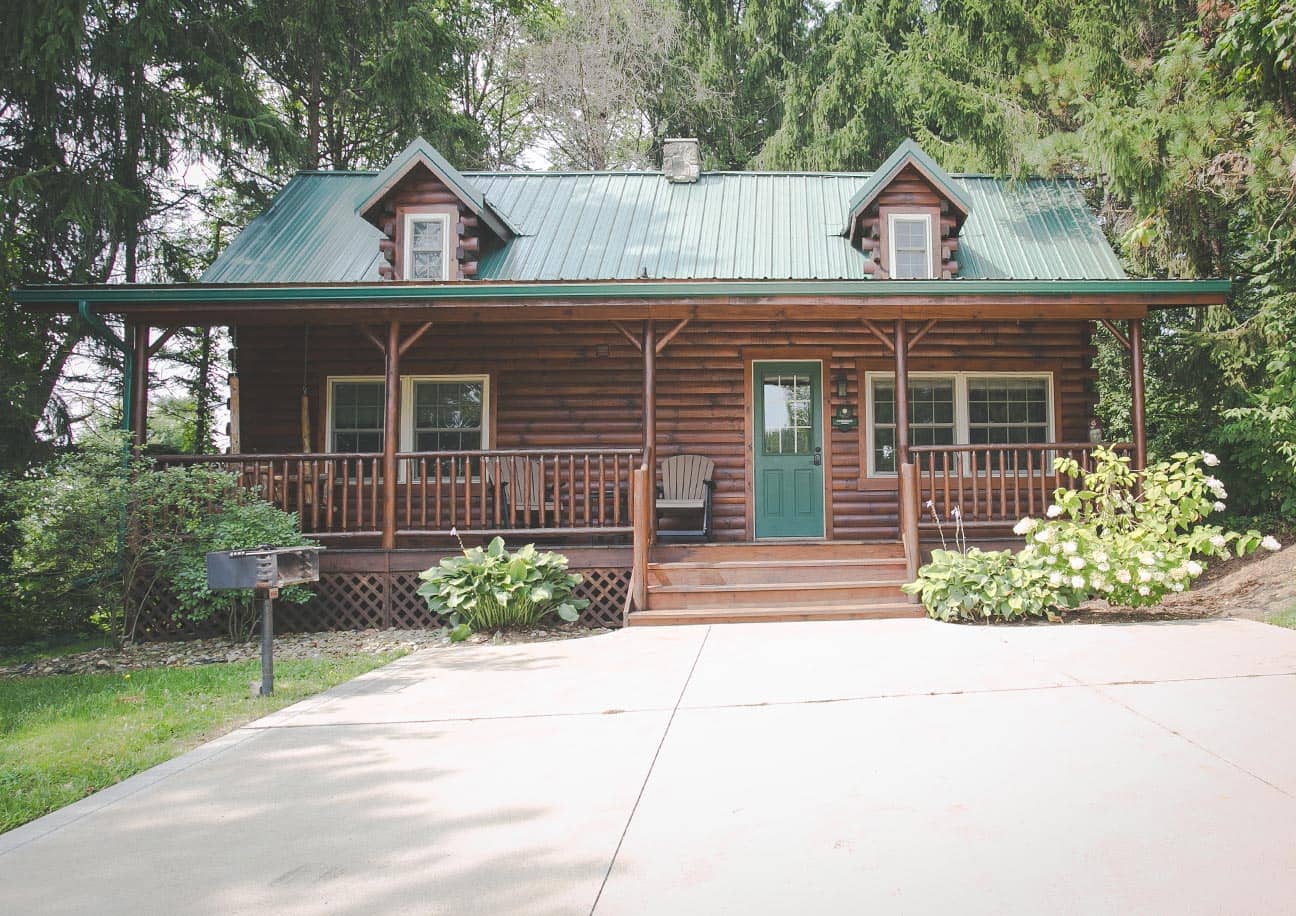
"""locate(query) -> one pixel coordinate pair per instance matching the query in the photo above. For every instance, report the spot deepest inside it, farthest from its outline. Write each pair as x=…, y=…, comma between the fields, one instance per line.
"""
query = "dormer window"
x=425, y=246
x=910, y=254
x=905, y=218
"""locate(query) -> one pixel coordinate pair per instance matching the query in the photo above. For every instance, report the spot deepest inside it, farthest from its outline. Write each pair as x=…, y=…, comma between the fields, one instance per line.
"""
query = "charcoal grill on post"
x=265, y=570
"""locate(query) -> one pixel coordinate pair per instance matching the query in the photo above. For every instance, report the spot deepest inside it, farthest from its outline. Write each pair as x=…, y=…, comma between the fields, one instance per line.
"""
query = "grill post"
x=264, y=570
x=265, y=605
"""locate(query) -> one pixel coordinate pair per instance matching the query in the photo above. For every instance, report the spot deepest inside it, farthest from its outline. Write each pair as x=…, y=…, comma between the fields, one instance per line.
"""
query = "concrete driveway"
x=858, y=767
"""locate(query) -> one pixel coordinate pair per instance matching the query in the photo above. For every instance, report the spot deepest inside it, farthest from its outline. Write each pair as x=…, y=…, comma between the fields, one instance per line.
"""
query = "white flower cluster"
x=1099, y=548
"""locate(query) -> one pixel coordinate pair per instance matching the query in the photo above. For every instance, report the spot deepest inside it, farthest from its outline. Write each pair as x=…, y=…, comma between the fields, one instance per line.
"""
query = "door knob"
x=818, y=455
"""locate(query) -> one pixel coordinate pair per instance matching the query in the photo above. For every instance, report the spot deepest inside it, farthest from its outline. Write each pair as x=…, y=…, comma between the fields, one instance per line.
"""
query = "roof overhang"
x=200, y=304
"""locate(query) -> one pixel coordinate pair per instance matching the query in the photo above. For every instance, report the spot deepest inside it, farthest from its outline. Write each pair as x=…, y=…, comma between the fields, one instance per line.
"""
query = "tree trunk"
x=136, y=210
x=313, y=105
x=203, y=394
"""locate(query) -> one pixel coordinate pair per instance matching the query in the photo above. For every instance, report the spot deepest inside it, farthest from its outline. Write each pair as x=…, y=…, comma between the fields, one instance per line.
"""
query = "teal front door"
x=788, y=451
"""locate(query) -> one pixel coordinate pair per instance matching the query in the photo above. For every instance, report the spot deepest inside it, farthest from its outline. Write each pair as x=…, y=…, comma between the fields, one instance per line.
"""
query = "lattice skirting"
x=360, y=600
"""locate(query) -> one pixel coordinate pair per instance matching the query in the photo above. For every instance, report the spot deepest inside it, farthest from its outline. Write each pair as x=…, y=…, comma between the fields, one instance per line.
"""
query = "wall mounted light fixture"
x=844, y=418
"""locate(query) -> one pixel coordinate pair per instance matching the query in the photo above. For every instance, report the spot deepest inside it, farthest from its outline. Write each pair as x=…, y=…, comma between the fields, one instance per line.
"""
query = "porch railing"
x=485, y=492
x=516, y=491
x=994, y=484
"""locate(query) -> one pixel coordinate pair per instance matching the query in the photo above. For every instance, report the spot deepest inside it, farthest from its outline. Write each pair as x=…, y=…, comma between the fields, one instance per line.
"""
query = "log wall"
x=551, y=388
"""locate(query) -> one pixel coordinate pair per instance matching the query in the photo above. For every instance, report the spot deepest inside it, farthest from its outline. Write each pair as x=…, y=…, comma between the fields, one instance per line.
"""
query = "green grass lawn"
x=67, y=736
x=1285, y=618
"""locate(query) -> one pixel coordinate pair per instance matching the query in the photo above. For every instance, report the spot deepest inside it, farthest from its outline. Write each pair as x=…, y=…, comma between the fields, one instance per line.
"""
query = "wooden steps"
x=655, y=617
x=776, y=550
x=784, y=580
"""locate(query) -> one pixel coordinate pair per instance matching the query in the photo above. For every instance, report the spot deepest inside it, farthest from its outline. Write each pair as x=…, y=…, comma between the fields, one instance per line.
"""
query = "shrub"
x=492, y=589
x=61, y=575
x=216, y=516
x=1127, y=537
x=97, y=538
x=985, y=585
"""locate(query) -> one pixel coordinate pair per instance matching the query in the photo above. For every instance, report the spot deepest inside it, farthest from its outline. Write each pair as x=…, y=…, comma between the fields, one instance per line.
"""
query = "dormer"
x=436, y=223
x=906, y=218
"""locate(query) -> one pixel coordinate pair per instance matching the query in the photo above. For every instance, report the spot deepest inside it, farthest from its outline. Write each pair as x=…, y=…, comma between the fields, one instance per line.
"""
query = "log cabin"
x=851, y=360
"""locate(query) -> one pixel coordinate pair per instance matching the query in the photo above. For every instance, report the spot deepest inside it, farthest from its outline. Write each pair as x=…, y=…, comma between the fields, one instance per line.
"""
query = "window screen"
x=448, y=415
x=358, y=409
x=427, y=249
x=912, y=246
x=931, y=417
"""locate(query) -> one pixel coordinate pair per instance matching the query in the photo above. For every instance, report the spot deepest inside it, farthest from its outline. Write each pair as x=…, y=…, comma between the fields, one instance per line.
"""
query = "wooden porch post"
x=391, y=436
x=650, y=423
x=641, y=493
x=139, y=386
x=902, y=392
x=907, y=482
x=1136, y=388
x=650, y=389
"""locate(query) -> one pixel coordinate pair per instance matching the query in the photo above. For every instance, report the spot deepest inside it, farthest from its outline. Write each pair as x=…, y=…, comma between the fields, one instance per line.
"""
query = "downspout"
x=109, y=336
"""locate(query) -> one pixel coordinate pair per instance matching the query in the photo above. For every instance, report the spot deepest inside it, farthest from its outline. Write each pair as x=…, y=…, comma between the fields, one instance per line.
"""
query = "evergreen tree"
x=726, y=85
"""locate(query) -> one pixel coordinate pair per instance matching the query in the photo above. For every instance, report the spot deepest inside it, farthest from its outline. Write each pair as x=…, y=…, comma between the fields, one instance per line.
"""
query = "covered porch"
x=587, y=398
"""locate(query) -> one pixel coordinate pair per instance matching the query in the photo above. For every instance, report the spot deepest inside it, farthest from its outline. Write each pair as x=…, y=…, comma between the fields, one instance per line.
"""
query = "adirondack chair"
x=522, y=482
x=687, y=484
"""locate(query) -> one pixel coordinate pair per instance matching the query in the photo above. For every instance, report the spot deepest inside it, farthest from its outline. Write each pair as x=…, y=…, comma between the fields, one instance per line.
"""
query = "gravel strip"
x=288, y=646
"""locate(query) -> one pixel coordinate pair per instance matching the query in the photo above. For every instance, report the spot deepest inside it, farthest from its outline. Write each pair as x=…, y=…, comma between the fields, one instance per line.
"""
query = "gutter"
x=389, y=291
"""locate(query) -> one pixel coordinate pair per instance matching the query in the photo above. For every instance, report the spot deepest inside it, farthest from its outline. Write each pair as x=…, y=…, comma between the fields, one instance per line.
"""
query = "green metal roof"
x=907, y=153
x=626, y=225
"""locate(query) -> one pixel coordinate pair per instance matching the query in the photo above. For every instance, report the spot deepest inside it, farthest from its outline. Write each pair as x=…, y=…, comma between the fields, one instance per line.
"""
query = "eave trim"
x=181, y=294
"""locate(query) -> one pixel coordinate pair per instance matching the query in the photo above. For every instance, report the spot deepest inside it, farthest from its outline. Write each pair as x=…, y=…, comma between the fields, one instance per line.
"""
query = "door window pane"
x=358, y=416
x=789, y=415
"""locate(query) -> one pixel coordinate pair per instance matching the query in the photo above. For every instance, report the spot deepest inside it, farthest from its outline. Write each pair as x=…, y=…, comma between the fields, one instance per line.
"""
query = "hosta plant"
x=490, y=588
x=986, y=585
x=1117, y=534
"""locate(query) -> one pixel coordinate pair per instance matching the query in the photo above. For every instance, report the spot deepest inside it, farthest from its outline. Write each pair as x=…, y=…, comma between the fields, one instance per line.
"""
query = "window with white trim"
x=910, y=236
x=447, y=413
x=438, y=413
x=426, y=243
x=958, y=408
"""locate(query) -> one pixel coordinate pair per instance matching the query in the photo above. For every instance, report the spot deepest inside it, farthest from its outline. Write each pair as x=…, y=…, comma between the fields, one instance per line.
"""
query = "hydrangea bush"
x=1127, y=537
